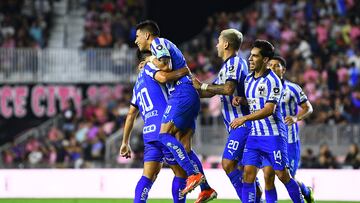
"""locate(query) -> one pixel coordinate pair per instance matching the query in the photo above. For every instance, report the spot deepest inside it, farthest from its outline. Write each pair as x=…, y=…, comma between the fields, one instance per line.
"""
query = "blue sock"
x=248, y=192
x=194, y=159
x=258, y=196
x=235, y=177
x=178, y=185
x=178, y=151
x=304, y=190
x=142, y=189
x=271, y=196
x=294, y=191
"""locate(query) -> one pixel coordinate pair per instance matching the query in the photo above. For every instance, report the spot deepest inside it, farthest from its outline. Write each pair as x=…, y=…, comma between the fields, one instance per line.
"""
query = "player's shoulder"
x=272, y=77
x=293, y=85
x=249, y=76
x=150, y=66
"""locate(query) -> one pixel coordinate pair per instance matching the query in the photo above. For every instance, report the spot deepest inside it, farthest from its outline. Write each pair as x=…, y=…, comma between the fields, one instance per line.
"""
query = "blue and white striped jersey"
x=161, y=47
x=293, y=96
x=259, y=91
x=150, y=97
x=235, y=69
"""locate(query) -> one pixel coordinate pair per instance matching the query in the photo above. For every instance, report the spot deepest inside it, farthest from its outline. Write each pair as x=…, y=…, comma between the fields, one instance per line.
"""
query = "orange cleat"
x=206, y=196
x=192, y=182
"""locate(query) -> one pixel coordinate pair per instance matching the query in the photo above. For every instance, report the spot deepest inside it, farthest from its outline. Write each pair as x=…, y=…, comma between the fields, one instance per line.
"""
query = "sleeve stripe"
x=295, y=93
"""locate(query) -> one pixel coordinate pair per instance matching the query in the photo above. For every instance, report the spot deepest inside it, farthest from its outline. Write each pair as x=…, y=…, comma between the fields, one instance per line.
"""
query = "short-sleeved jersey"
x=233, y=69
x=259, y=91
x=161, y=47
x=150, y=97
x=293, y=96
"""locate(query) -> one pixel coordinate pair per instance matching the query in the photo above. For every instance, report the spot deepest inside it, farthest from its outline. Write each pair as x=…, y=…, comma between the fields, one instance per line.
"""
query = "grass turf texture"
x=126, y=201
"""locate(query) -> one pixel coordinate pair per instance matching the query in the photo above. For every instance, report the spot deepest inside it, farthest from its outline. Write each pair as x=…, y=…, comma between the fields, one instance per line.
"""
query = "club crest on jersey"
x=159, y=47
x=261, y=89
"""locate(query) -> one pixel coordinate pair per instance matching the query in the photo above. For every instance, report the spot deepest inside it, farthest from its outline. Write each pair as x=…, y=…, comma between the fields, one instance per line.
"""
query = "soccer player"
x=149, y=98
x=292, y=97
x=184, y=103
x=230, y=83
x=267, y=139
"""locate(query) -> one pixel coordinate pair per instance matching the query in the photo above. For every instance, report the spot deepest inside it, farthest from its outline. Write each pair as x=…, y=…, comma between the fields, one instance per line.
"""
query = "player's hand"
x=237, y=122
x=196, y=83
x=289, y=120
x=142, y=64
x=236, y=101
x=125, y=151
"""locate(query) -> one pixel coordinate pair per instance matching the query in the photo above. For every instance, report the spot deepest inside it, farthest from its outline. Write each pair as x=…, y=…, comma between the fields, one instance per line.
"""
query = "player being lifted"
x=183, y=104
x=267, y=139
x=292, y=97
x=230, y=83
x=149, y=98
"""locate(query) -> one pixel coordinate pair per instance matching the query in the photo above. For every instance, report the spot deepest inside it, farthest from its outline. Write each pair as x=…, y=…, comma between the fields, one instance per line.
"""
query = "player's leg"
x=167, y=138
x=207, y=193
x=276, y=153
x=270, y=190
x=232, y=153
x=152, y=165
x=185, y=139
x=178, y=184
x=251, y=161
x=183, y=108
x=294, y=163
x=259, y=191
x=179, y=181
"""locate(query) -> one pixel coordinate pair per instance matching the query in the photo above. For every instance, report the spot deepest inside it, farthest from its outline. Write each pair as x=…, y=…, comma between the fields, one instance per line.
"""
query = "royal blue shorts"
x=263, y=151
x=235, y=144
x=157, y=152
x=294, y=157
x=183, y=107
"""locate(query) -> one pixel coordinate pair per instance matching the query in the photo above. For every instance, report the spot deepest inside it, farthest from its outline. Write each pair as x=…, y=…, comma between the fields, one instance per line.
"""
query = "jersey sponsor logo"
x=231, y=68
x=276, y=90
x=149, y=129
x=159, y=47
x=151, y=114
x=178, y=151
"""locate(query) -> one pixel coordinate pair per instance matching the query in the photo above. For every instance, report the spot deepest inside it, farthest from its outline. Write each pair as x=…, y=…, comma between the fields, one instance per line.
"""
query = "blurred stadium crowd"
x=319, y=39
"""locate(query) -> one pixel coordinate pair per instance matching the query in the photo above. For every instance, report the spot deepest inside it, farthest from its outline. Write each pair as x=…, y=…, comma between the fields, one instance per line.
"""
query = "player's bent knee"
x=228, y=165
x=168, y=127
x=178, y=171
x=249, y=174
x=151, y=170
x=283, y=176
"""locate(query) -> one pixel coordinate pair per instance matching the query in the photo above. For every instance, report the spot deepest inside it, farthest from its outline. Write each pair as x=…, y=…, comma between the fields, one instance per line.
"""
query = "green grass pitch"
x=125, y=201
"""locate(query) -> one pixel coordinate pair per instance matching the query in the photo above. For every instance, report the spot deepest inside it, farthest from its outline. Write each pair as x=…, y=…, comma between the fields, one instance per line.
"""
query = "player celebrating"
x=149, y=98
x=293, y=96
x=230, y=83
x=183, y=105
x=267, y=140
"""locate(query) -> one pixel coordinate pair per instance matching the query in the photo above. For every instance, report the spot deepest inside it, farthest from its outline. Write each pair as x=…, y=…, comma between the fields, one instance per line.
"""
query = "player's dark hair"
x=149, y=26
x=141, y=55
x=266, y=48
x=280, y=59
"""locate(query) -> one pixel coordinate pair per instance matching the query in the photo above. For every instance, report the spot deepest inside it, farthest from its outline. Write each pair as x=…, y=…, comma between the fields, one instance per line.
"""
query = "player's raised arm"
x=125, y=150
x=164, y=77
x=164, y=63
